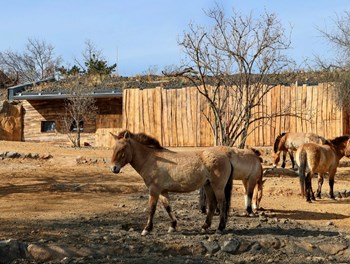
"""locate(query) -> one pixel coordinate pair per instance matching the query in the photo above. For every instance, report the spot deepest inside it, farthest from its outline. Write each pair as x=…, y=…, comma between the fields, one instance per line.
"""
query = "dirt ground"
x=72, y=197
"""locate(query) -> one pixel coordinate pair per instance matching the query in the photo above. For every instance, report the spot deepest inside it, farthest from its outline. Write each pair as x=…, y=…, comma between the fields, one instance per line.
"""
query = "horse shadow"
x=307, y=215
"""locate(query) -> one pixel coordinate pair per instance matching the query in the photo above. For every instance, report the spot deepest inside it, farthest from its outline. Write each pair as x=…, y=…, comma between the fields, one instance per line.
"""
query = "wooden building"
x=175, y=116
x=43, y=112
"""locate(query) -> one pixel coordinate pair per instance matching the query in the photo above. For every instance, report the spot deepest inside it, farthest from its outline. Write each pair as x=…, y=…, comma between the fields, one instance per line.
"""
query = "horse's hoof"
x=219, y=232
x=205, y=226
x=171, y=229
x=204, y=231
x=309, y=201
x=144, y=232
x=244, y=214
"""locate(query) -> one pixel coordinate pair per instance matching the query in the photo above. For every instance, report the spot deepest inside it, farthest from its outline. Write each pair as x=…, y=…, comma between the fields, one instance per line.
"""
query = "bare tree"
x=338, y=36
x=36, y=62
x=80, y=108
x=239, y=60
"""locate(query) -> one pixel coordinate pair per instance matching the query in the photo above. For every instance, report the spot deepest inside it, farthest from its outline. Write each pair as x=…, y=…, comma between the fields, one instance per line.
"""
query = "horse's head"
x=276, y=159
x=122, y=153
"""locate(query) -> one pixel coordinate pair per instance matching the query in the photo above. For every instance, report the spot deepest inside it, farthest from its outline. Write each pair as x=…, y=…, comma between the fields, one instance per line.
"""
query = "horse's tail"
x=277, y=141
x=228, y=192
x=302, y=170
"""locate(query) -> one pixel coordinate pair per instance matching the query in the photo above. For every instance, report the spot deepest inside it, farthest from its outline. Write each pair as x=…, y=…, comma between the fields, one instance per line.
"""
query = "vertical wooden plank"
x=145, y=111
x=304, y=109
x=174, y=117
x=308, y=109
x=326, y=104
x=270, y=107
x=314, y=107
x=170, y=106
x=125, y=108
x=194, y=104
x=279, y=110
x=282, y=108
x=164, y=120
x=136, y=120
x=289, y=100
x=158, y=107
x=132, y=110
x=140, y=95
x=260, y=132
x=183, y=112
x=318, y=109
x=189, y=118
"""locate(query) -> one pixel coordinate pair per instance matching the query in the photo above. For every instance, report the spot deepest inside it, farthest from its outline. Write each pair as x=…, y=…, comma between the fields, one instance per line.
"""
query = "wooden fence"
x=175, y=116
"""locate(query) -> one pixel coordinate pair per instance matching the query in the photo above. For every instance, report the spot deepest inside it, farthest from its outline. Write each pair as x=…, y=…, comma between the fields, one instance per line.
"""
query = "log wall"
x=177, y=116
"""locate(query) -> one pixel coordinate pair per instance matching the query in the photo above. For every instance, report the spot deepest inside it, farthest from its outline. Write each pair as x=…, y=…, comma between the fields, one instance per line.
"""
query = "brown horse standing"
x=247, y=167
x=314, y=158
x=165, y=171
x=289, y=142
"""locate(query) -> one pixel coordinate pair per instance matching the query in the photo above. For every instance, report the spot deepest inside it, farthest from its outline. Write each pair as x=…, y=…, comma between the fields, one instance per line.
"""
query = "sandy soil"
x=58, y=189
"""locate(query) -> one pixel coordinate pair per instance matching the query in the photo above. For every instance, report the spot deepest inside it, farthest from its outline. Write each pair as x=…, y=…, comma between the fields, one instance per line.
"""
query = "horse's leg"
x=308, y=186
x=331, y=182
x=221, y=203
x=212, y=205
x=284, y=155
x=291, y=156
x=152, y=203
x=164, y=198
x=248, y=194
x=202, y=201
x=319, y=188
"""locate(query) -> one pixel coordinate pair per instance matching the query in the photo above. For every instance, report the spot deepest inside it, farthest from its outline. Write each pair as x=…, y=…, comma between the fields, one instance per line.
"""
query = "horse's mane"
x=338, y=140
x=277, y=141
x=257, y=153
x=143, y=139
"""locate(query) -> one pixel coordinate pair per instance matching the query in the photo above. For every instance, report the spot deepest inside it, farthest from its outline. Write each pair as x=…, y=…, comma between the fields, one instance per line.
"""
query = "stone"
x=271, y=242
x=11, y=250
x=305, y=246
x=198, y=249
x=46, y=156
x=332, y=249
x=231, y=246
x=245, y=246
x=211, y=246
x=12, y=155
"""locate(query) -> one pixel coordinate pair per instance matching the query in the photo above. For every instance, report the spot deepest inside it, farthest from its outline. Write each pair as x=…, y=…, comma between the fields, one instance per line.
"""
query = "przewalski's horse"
x=165, y=171
x=247, y=167
x=315, y=158
x=289, y=142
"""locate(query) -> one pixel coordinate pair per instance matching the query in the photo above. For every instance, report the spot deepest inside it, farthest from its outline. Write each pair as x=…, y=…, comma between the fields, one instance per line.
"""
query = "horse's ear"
x=114, y=136
x=126, y=135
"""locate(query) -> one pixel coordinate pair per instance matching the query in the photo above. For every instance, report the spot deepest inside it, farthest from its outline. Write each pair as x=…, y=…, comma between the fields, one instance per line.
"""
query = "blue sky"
x=140, y=34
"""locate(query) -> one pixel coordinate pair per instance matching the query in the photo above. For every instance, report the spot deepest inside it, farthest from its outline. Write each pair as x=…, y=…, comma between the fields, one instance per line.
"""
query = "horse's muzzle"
x=115, y=168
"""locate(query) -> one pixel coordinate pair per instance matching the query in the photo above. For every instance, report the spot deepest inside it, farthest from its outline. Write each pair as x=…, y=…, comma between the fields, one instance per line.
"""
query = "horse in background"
x=315, y=158
x=165, y=171
x=288, y=142
x=247, y=167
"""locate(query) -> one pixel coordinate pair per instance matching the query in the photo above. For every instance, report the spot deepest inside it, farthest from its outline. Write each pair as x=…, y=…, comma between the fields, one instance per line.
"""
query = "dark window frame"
x=48, y=126
x=73, y=126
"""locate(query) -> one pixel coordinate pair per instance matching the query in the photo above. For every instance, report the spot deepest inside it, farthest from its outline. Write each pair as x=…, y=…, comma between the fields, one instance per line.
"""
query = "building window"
x=48, y=126
x=73, y=126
